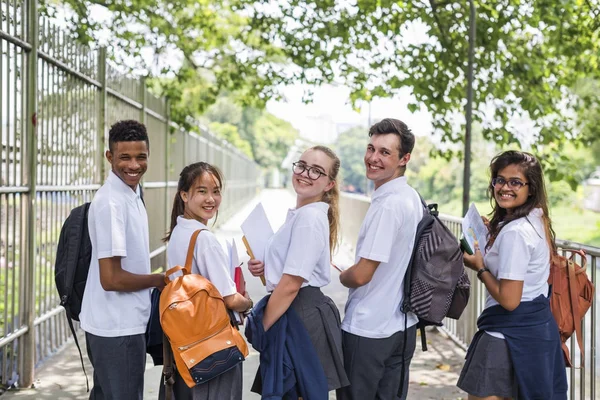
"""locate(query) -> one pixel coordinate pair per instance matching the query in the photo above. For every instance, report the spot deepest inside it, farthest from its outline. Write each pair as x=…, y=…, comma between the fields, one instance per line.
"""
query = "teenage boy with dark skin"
x=116, y=302
x=374, y=327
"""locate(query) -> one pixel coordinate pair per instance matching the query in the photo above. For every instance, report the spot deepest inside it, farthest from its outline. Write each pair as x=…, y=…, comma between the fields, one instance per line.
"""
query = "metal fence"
x=57, y=101
x=582, y=381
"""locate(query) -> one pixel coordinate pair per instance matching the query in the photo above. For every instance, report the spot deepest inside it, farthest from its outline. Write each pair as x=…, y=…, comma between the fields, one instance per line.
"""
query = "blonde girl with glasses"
x=297, y=262
x=516, y=352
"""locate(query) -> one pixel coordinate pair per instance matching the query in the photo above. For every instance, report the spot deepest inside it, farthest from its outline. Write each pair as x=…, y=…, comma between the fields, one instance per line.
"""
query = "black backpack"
x=73, y=256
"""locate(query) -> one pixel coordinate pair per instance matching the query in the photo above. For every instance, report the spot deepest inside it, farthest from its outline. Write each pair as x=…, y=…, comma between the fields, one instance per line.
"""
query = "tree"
x=204, y=48
x=350, y=147
x=261, y=135
x=528, y=54
x=230, y=133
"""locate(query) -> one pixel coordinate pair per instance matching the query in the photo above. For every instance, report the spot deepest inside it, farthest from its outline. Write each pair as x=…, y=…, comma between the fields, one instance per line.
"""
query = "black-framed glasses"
x=313, y=172
x=514, y=184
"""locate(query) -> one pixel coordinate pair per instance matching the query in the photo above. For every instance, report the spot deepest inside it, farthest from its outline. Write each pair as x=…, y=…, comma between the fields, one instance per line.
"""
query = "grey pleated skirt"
x=321, y=318
x=488, y=370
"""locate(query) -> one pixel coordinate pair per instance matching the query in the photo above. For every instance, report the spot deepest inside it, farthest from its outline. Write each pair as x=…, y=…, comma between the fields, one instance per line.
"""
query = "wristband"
x=481, y=271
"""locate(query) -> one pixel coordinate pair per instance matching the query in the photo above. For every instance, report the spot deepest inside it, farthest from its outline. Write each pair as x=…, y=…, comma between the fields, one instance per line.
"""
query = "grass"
x=569, y=222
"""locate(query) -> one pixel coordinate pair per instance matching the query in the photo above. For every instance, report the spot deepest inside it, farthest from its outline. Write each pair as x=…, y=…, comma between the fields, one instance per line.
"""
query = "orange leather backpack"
x=572, y=296
x=195, y=320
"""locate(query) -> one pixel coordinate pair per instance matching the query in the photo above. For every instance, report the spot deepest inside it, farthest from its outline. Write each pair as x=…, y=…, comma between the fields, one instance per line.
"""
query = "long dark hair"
x=531, y=168
x=187, y=178
x=332, y=197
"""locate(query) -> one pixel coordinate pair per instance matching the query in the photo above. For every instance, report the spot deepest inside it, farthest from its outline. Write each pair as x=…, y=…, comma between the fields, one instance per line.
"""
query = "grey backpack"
x=436, y=285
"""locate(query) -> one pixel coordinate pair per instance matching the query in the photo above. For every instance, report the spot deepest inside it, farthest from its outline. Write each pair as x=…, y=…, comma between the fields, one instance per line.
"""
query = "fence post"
x=101, y=113
x=143, y=118
x=167, y=160
x=31, y=150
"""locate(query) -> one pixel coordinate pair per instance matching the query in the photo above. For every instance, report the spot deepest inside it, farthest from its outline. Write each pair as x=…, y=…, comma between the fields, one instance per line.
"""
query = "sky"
x=334, y=101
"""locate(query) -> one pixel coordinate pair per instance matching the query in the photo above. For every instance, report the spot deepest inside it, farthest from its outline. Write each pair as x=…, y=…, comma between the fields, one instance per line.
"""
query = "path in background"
x=433, y=373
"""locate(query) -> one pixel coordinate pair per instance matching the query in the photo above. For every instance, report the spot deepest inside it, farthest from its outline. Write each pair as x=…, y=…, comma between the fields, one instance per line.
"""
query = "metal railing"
x=57, y=101
x=582, y=381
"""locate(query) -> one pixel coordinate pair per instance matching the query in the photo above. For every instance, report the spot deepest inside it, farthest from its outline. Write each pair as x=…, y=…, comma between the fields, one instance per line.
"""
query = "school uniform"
x=373, y=326
x=211, y=262
x=115, y=322
x=301, y=248
x=520, y=252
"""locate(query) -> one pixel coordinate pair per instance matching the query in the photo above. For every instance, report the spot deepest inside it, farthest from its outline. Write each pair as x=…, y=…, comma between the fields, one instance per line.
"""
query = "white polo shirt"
x=210, y=260
x=521, y=253
x=300, y=247
x=118, y=227
x=387, y=235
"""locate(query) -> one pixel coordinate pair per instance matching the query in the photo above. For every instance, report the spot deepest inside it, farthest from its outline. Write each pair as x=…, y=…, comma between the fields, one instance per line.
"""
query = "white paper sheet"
x=258, y=231
x=474, y=229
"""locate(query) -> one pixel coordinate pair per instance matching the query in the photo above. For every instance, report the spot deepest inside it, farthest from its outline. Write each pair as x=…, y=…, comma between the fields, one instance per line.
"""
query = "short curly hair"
x=128, y=130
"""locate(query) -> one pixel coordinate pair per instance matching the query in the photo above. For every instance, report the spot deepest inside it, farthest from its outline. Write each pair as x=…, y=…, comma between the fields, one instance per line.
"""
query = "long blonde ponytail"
x=332, y=197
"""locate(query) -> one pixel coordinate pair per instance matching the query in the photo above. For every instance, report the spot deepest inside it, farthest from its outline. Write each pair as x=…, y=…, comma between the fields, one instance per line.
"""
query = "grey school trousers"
x=119, y=364
x=374, y=366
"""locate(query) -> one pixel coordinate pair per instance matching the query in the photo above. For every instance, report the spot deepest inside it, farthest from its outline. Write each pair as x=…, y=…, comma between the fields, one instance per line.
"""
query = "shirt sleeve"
x=307, y=243
x=514, y=255
x=380, y=235
x=110, y=227
x=213, y=264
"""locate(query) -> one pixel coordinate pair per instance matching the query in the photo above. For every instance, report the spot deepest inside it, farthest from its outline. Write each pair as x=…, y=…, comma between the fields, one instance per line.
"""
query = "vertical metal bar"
x=7, y=322
x=143, y=100
x=167, y=161
x=594, y=333
x=31, y=115
x=469, y=110
x=102, y=103
x=2, y=140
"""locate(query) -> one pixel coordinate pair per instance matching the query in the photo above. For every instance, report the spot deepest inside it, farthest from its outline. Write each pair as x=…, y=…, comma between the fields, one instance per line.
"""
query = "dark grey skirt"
x=488, y=370
x=321, y=318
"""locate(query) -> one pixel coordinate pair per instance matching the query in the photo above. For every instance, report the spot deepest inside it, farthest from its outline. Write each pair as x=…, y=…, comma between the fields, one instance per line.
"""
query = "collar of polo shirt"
x=118, y=184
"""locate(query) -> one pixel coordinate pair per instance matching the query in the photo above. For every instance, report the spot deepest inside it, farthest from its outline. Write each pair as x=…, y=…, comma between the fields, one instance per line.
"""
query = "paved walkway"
x=433, y=373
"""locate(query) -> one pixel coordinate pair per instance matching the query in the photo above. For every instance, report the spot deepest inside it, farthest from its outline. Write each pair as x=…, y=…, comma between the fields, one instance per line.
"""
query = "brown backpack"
x=571, y=297
x=196, y=322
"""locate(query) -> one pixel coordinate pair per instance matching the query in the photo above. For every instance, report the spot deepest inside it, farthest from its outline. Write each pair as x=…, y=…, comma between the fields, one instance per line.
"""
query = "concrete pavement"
x=433, y=373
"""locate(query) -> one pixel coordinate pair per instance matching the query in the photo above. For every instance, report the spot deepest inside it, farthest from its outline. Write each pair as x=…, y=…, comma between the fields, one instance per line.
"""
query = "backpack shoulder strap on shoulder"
x=190, y=254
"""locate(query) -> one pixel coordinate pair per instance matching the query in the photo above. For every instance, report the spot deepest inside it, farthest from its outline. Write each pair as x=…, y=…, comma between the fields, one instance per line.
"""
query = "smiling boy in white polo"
x=116, y=302
x=373, y=326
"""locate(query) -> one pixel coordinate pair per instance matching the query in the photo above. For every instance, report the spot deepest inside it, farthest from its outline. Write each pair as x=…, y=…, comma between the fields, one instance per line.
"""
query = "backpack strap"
x=190, y=254
x=70, y=321
x=575, y=306
x=168, y=370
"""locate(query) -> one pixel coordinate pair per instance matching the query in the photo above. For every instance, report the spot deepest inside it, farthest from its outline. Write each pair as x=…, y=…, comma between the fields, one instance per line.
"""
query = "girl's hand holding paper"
x=256, y=267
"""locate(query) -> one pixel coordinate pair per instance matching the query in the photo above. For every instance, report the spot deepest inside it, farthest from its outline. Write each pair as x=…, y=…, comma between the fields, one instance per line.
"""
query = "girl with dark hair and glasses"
x=516, y=352
x=297, y=265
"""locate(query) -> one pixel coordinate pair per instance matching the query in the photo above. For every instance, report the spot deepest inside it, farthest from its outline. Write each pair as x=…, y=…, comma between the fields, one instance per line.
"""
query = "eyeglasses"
x=313, y=172
x=514, y=184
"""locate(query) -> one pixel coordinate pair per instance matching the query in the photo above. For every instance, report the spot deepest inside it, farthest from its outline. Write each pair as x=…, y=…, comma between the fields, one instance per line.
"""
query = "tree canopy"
x=535, y=60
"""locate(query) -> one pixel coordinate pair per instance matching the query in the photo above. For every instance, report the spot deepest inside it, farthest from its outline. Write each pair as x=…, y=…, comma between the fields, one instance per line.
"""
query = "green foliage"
x=350, y=148
x=230, y=133
x=204, y=46
x=528, y=54
x=259, y=134
x=273, y=138
x=535, y=60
